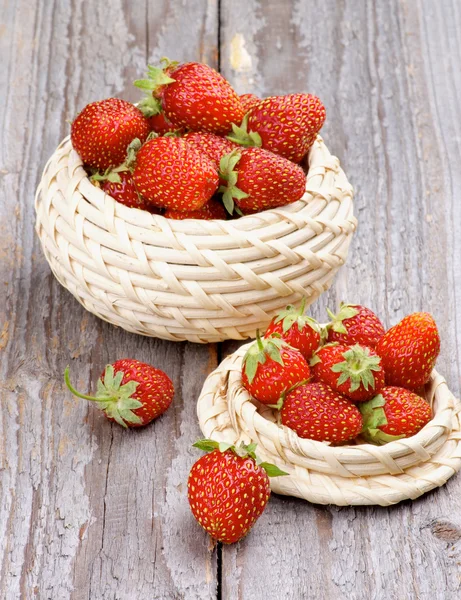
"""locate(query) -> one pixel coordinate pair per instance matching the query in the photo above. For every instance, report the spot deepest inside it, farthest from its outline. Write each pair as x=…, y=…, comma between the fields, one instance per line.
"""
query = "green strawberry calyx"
x=291, y=315
x=346, y=311
x=111, y=174
x=260, y=350
x=157, y=77
x=243, y=137
x=374, y=417
x=241, y=450
x=358, y=367
x=316, y=358
x=227, y=172
x=150, y=106
x=114, y=399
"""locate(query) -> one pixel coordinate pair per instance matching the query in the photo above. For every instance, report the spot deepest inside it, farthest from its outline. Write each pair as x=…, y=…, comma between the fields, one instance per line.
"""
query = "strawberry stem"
x=79, y=394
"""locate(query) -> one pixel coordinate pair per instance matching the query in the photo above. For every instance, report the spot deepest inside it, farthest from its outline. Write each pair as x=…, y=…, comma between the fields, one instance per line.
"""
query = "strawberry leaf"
x=150, y=106
x=243, y=137
x=206, y=445
x=272, y=470
x=357, y=367
x=346, y=311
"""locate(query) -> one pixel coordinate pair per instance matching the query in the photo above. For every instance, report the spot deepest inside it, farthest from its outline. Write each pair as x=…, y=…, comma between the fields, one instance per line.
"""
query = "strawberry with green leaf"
x=355, y=324
x=228, y=489
x=130, y=392
x=354, y=371
x=120, y=186
x=270, y=367
x=393, y=414
x=297, y=329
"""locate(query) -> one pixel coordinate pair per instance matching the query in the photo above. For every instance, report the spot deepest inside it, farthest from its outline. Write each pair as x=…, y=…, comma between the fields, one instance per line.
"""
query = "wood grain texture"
x=88, y=511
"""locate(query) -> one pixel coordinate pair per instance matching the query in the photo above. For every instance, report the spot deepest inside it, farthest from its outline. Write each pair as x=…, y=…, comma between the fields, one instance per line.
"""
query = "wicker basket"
x=203, y=281
x=343, y=475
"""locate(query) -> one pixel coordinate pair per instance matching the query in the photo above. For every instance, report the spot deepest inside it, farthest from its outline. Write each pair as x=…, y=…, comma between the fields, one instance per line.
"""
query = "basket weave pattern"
x=342, y=475
x=203, y=281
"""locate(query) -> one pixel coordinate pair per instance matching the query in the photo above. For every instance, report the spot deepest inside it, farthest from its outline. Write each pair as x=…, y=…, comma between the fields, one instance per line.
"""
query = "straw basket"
x=203, y=281
x=343, y=475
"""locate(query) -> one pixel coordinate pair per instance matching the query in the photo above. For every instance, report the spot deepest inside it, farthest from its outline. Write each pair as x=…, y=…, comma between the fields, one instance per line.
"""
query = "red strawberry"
x=355, y=324
x=285, y=125
x=354, y=371
x=213, y=209
x=228, y=489
x=393, y=414
x=316, y=412
x=258, y=180
x=297, y=329
x=120, y=185
x=197, y=98
x=249, y=101
x=130, y=392
x=103, y=130
x=270, y=367
x=409, y=350
x=213, y=146
x=160, y=124
x=171, y=174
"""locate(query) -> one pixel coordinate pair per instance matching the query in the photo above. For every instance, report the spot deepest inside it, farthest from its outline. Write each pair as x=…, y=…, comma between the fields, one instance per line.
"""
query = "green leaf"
x=206, y=445
x=241, y=136
x=272, y=470
x=357, y=367
x=315, y=360
x=130, y=417
x=109, y=377
x=129, y=404
x=150, y=106
x=224, y=446
x=251, y=366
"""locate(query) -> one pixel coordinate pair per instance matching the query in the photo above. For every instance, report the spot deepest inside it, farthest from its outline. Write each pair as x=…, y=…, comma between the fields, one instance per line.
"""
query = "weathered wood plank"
x=87, y=510
x=389, y=78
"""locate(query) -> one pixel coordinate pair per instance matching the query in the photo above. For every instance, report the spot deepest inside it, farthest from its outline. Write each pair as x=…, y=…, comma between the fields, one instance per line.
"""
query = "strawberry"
x=120, y=185
x=213, y=209
x=228, y=489
x=213, y=146
x=316, y=412
x=249, y=101
x=355, y=324
x=160, y=124
x=101, y=133
x=171, y=174
x=130, y=392
x=197, y=97
x=354, y=371
x=393, y=414
x=258, y=180
x=297, y=329
x=285, y=125
x=270, y=367
x=409, y=350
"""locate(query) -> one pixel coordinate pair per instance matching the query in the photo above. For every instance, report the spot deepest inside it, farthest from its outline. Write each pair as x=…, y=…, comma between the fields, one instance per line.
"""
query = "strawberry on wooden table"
x=286, y=125
x=270, y=367
x=258, y=180
x=130, y=392
x=102, y=131
x=355, y=324
x=393, y=414
x=228, y=489
x=354, y=371
x=409, y=350
x=171, y=174
x=297, y=329
x=316, y=412
x=197, y=97
x=211, y=210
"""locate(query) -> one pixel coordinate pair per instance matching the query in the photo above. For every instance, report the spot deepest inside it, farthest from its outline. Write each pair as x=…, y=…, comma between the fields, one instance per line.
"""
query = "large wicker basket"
x=203, y=281
x=343, y=475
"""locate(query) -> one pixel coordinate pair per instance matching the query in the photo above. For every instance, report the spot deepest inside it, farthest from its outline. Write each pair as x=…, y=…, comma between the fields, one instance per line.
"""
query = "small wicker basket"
x=343, y=475
x=202, y=281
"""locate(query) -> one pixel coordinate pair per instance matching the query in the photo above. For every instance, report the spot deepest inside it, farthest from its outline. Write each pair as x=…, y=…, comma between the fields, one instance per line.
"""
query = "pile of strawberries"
x=193, y=148
x=348, y=379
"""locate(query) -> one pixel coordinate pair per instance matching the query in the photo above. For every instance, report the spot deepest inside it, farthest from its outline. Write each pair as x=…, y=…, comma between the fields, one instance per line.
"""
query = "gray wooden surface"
x=88, y=511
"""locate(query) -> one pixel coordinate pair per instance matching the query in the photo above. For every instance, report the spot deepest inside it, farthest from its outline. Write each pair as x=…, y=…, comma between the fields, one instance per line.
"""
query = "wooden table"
x=90, y=511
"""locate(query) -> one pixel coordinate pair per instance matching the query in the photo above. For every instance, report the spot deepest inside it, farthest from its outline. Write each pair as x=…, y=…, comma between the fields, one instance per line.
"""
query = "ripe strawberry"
x=393, y=414
x=258, y=180
x=228, y=489
x=101, y=133
x=120, y=185
x=130, y=392
x=213, y=209
x=160, y=124
x=297, y=329
x=355, y=324
x=285, y=125
x=409, y=350
x=213, y=146
x=316, y=412
x=354, y=371
x=249, y=101
x=171, y=174
x=197, y=98
x=270, y=367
